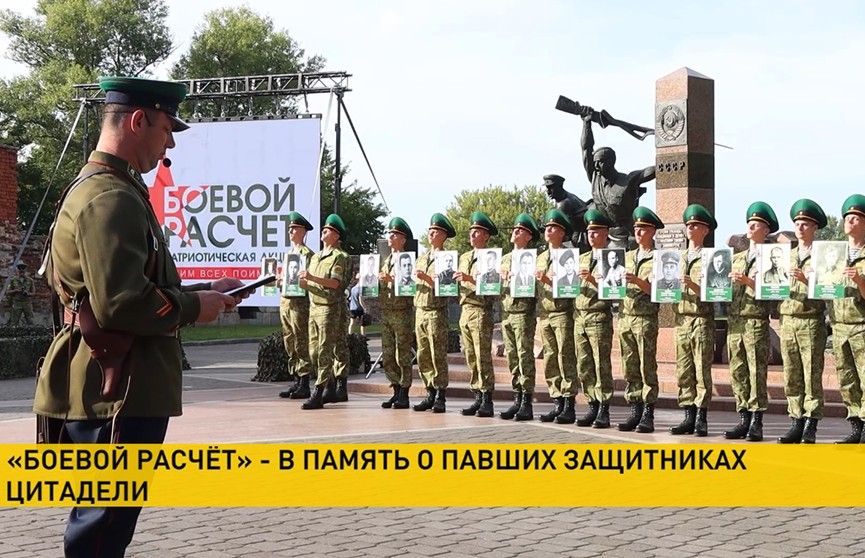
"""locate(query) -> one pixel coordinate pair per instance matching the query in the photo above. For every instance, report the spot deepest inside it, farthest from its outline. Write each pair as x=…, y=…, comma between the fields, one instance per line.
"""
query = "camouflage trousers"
x=638, y=339
x=695, y=347
x=325, y=327
x=294, y=317
x=518, y=331
x=593, y=344
x=848, y=342
x=748, y=351
x=21, y=311
x=476, y=329
x=396, y=343
x=560, y=361
x=341, y=356
x=431, y=330
x=803, y=344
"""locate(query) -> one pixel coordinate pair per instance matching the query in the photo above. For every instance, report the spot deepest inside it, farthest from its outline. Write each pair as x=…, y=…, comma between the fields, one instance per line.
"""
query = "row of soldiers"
x=577, y=334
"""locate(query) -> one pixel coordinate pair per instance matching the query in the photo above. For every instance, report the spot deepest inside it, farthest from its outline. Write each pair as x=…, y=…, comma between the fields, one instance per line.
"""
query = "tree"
x=834, y=229
x=68, y=42
x=502, y=205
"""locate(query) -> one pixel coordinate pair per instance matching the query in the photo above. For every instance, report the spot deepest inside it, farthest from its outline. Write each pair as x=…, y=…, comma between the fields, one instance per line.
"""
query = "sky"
x=448, y=95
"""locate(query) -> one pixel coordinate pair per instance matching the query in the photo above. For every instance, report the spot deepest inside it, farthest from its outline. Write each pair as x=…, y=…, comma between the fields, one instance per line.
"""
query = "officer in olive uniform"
x=593, y=327
x=396, y=320
x=518, y=324
x=803, y=332
x=21, y=291
x=476, y=319
x=111, y=268
x=848, y=321
x=638, y=327
x=748, y=330
x=294, y=315
x=557, y=326
x=431, y=320
x=695, y=328
x=323, y=279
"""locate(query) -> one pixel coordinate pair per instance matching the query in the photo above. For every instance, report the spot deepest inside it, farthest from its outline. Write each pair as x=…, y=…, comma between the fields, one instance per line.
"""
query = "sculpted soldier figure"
x=572, y=206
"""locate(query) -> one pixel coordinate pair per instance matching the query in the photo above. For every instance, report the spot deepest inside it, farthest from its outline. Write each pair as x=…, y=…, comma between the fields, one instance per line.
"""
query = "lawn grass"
x=212, y=333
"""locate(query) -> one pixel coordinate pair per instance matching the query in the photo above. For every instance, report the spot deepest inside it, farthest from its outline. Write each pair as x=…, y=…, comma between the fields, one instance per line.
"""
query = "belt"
x=68, y=314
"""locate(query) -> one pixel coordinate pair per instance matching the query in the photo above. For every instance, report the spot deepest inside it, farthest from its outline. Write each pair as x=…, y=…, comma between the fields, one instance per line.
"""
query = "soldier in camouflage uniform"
x=21, y=291
x=748, y=330
x=396, y=330
x=803, y=332
x=593, y=327
x=638, y=327
x=341, y=355
x=695, y=328
x=431, y=320
x=294, y=315
x=557, y=326
x=518, y=322
x=323, y=279
x=848, y=321
x=476, y=320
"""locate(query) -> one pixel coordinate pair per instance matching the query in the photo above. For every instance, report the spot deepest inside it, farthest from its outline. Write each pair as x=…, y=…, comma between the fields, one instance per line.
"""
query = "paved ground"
x=222, y=405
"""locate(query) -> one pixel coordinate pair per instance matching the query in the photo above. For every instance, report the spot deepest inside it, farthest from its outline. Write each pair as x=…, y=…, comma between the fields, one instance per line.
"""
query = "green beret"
x=762, y=211
x=645, y=216
x=439, y=221
x=398, y=224
x=556, y=217
x=553, y=180
x=295, y=218
x=567, y=255
x=670, y=257
x=525, y=221
x=480, y=220
x=596, y=220
x=334, y=222
x=854, y=204
x=696, y=213
x=808, y=209
x=146, y=93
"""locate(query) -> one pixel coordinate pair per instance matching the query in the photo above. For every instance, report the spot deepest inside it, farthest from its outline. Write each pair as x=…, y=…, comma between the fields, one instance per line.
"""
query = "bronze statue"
x=572, y=206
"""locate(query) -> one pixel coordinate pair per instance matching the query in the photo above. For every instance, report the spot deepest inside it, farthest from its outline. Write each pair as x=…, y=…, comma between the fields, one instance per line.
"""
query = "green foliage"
x=834, y=229
x=359, y=361
x=21, y=347
x=273, y=360
x=454, y=341
x=502, y=205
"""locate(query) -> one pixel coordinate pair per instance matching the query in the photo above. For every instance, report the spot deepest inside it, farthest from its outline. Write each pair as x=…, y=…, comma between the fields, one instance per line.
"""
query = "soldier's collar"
x=117, y=163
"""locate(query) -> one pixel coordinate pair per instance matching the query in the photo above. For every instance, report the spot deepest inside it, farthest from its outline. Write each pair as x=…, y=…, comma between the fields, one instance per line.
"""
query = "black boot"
x=809, y=435
x=634, y=418
x=473, y=408
x=287, y=393
x=511, y=411
x=302, y=388
x=486, y=409
x=794, y=435
x=701, y=425
x=341, y=390
x=591, y=415
x=402, y=399
x=856, y=434
x=427, y=403
x=647, y=422
x=687, y=425
x=329, y=395
x=569, y=412
x=389, y=403
x=741, y=429
x=525, y=412
x=439, y=405
x=603, y=419
x=558, y=406
x=755, y=433
x=316, y=400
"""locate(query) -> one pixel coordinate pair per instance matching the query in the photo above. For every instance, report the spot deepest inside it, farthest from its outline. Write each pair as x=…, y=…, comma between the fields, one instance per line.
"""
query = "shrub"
x=21, y=347
x=273, y=360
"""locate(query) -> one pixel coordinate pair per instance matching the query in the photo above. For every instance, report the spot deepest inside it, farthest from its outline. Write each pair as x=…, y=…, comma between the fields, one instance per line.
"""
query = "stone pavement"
x=222, y=406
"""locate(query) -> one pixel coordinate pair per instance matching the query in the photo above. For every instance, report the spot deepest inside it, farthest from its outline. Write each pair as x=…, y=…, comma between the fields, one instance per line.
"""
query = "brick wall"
x=8, y=185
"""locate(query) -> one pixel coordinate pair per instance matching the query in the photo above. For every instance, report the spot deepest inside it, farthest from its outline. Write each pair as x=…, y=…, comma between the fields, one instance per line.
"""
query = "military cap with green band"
x=525, y=221
x=854, y=204
x=480, y=220
x=398, y=224
x=596, y=220
x=439, y=221
x=295, y=218
x=810, y=210
x=696, y=213
x=146, y=93
x=763, y=212
x=335, y=222
x=646, y=217
x=559, y=219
